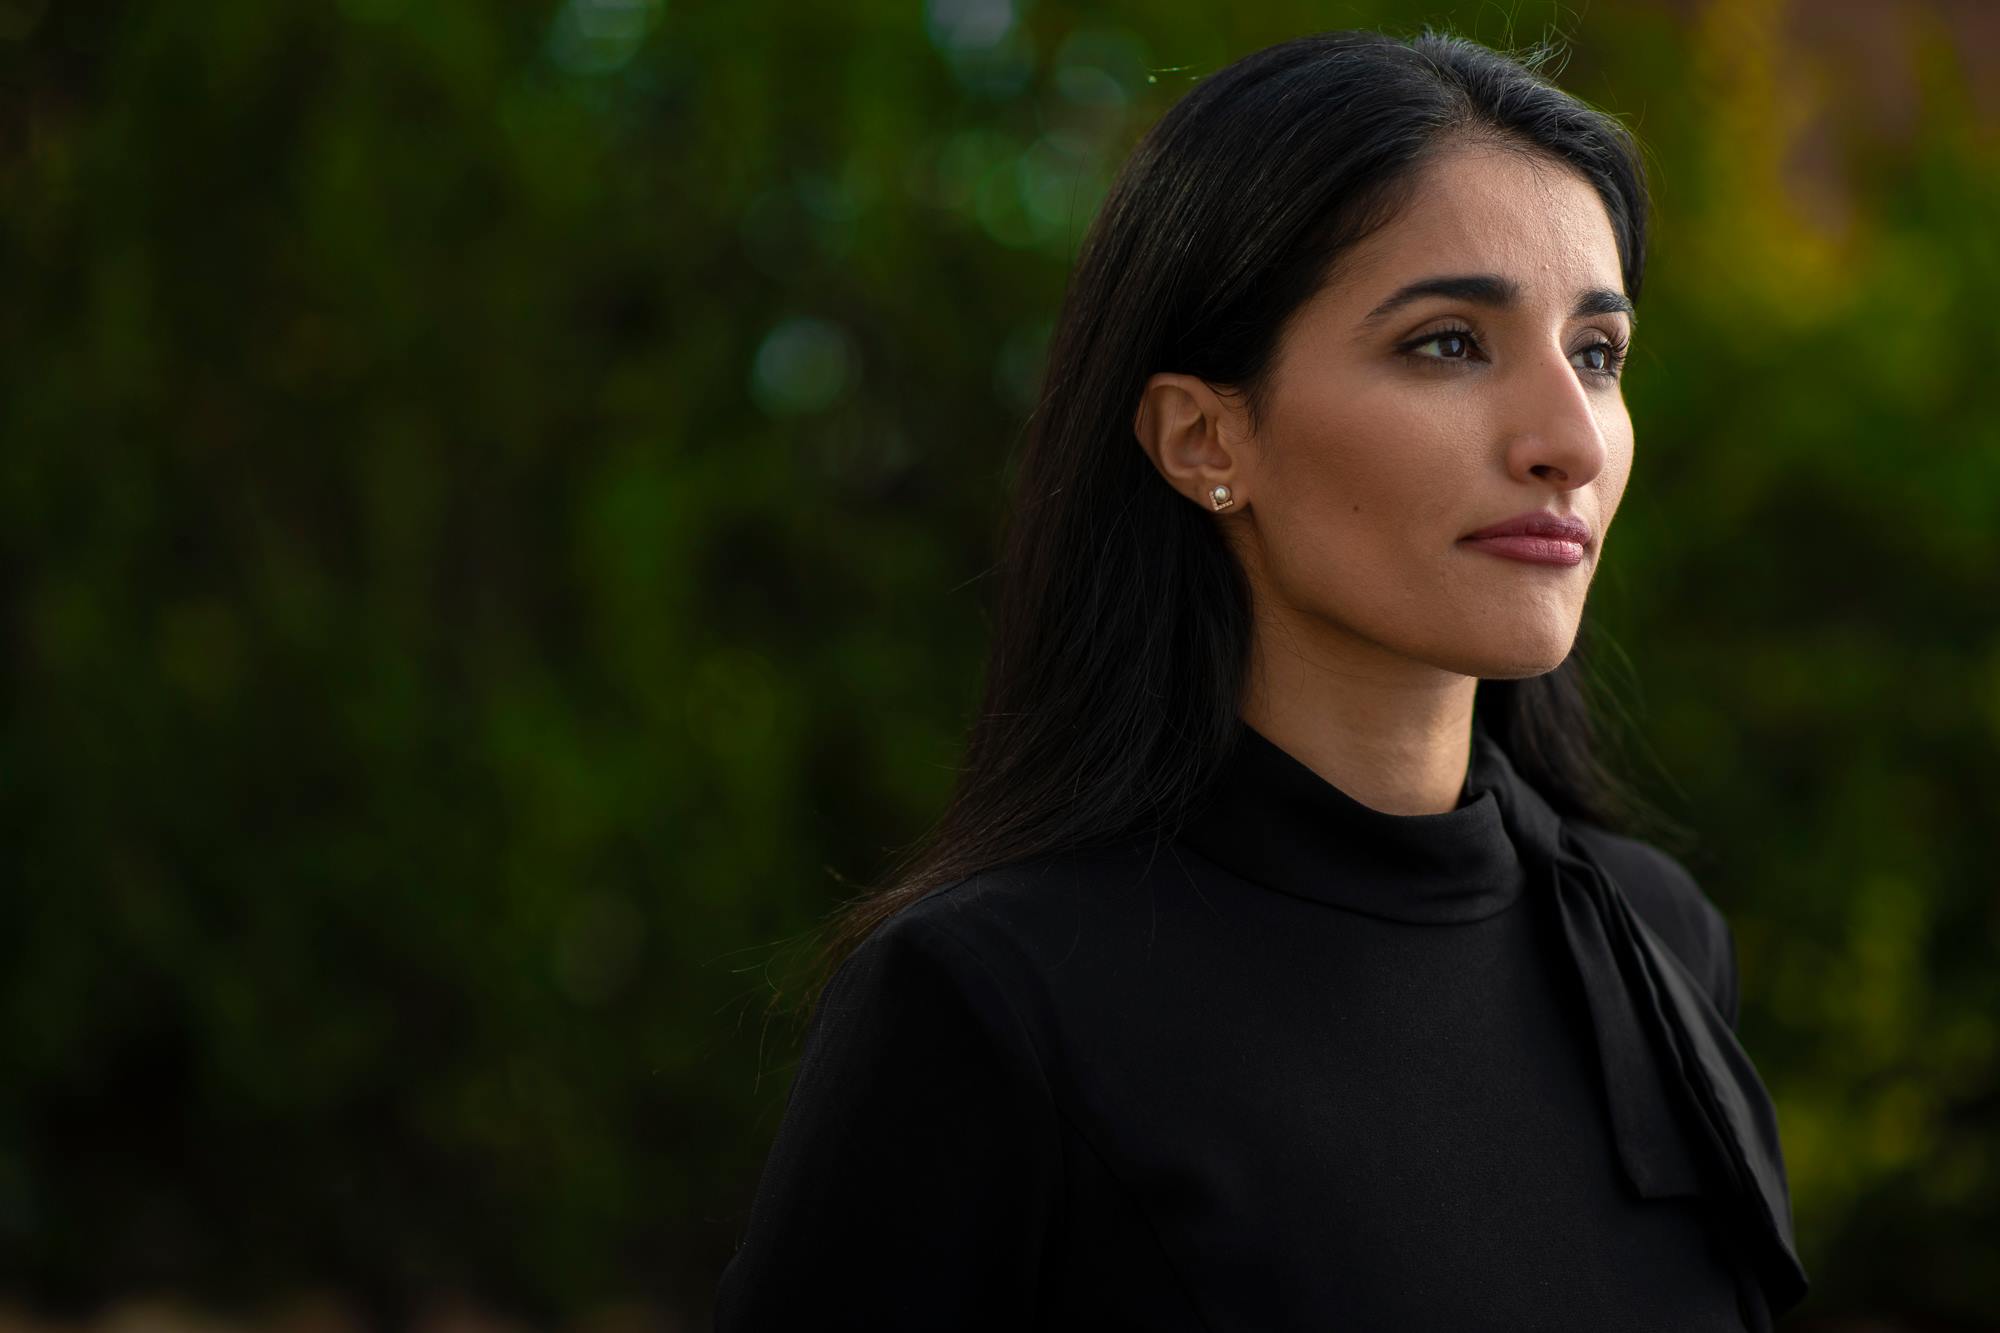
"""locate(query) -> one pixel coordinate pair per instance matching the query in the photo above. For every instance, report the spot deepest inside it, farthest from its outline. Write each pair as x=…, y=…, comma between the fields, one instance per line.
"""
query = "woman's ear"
x=1193, y=435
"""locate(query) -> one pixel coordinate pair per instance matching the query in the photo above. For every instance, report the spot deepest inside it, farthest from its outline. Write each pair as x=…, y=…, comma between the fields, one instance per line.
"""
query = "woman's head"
x=1216, y=312
x=1459, y=366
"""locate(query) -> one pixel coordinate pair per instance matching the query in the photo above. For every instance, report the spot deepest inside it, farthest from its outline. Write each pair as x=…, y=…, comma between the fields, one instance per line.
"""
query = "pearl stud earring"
x=1221, y=498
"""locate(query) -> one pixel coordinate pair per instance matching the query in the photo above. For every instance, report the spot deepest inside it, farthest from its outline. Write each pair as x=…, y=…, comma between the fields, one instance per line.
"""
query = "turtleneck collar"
x=1273, y=821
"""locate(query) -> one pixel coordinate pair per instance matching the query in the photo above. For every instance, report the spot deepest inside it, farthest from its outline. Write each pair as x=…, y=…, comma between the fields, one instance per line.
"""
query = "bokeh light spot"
x=600, y=36
x=804, y=365
x=969, y=25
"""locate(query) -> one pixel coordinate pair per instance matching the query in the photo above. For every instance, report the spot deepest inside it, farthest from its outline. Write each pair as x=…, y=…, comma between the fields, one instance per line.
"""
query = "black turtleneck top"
x=1306, y=1066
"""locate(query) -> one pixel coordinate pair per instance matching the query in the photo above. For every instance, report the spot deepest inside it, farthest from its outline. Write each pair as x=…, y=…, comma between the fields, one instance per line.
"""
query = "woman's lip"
x=1538, y=523
x=1534, y=550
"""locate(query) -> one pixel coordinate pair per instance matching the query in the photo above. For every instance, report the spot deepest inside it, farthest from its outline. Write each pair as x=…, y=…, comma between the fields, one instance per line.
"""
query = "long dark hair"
x=1123, y=625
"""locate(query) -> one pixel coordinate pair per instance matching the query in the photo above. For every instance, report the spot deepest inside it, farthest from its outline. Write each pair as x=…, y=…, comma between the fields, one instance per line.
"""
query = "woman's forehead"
x=1519, y=216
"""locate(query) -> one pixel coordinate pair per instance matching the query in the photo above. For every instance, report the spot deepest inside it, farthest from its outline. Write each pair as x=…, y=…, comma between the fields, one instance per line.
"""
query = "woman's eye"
x=1446, y=342
x=1608, y=357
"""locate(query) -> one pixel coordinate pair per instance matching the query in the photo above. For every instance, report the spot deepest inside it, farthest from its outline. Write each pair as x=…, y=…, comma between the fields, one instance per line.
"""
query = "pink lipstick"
x=1537, y=536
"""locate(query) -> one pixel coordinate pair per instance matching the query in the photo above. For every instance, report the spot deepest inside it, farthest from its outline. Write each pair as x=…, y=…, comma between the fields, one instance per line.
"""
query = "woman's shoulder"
x=1667, y=896
x=1005, y=949
x=1044, y=925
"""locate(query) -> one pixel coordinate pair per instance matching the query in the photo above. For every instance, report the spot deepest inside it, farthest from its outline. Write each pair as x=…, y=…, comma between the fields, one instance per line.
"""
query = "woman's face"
x=1398, y=423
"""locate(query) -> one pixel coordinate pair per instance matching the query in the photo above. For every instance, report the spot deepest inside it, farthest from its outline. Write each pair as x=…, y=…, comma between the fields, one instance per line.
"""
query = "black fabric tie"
x=1664, y=1046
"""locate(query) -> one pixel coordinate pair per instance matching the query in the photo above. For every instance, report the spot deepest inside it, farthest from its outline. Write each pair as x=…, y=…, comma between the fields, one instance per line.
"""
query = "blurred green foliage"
x=495, y=505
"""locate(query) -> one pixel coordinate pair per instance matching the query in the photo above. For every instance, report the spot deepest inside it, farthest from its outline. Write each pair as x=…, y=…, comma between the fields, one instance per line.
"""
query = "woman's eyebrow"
x=1494, y=290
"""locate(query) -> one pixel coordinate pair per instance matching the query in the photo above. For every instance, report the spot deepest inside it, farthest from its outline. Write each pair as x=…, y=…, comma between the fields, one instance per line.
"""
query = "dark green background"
x=494, y=516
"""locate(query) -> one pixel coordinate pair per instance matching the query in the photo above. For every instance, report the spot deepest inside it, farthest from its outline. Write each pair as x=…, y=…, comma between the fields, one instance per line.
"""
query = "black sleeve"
x=917, y=1169
x=1727, y=995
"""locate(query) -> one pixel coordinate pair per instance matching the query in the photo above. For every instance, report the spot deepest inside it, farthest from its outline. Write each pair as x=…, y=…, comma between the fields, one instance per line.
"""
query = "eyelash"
x=1614, y=350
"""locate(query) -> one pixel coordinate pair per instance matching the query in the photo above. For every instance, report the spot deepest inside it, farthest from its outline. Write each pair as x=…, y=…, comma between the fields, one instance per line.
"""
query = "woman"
x=1277, y=964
